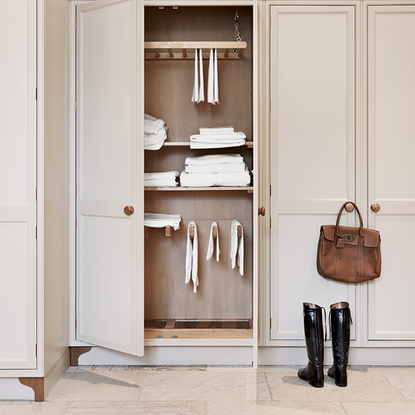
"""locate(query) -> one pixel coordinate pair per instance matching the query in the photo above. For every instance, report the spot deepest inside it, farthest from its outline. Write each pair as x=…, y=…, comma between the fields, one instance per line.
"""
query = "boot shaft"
x=340, y=320
x=314, y=333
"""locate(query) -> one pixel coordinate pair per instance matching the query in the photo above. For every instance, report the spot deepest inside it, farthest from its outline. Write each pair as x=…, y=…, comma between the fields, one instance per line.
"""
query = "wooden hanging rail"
x=186, y=50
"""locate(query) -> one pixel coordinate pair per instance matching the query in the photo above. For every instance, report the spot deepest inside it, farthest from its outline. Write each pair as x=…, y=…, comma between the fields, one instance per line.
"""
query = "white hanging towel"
x=192, y=258
x=195, y=96
x=211, y=242
x=213, y=93
x=215, y=76
x=237, y=246
x=201, y=81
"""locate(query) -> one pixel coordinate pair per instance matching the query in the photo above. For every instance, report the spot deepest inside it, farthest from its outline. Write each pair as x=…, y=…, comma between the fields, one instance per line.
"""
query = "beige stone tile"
x=379, y=408
x=34, y=408
x=362, y=386
x=116, y=408
x=404, y=382
x=274, y=407
x=100, y=386
x=205, y=385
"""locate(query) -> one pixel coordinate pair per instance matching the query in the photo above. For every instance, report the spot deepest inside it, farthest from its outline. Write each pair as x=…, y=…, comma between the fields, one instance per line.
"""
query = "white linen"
x=215, y=179
x=216, y=79
x=152, y=125
x=161, y=179
x=210, y=88
x=214, y=159
x=216, y=168
x=217, y=138
x=216, y=130
x=161, y=220
x=237, y=246
x=211, y=242
x=192, y=258
x=155, y=141
x=201, y=82
x=195, y=96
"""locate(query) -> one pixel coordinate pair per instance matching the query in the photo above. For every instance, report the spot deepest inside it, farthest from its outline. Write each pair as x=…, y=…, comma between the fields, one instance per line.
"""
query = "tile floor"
x=111, y=390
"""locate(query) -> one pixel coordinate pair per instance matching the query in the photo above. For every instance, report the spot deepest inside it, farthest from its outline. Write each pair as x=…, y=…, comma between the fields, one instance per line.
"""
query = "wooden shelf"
x=185, y=50
x=248, y=189
x=248, y=144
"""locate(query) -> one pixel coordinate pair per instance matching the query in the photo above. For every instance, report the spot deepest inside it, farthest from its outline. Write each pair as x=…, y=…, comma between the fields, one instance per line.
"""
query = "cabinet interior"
x=222, y=305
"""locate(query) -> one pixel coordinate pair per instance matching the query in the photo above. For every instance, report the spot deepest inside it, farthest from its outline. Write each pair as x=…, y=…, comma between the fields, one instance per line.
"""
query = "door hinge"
x=76, y=21
x=36, y=193
x=270, y=323
x=76, y=106
x=76, y=324
x=35, y=232
x=270, y=106
x=270, y=190
x=76, y=223
x=270, y=225
x=269, y=21
x=35, y=350
x=36, y=94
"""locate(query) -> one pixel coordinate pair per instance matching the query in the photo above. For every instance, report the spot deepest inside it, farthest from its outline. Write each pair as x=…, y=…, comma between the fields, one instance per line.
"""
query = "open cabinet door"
x=109, y=280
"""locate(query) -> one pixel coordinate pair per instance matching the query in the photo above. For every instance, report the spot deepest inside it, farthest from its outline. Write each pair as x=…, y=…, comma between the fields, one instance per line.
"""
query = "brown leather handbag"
x=348, y=254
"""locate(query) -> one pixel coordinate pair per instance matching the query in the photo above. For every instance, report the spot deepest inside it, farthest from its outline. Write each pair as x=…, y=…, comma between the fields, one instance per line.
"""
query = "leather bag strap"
x=340, y=213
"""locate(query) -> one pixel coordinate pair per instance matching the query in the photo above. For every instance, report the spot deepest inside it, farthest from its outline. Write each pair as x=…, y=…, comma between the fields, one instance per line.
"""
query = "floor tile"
x=205, y=385
x=369, y=386
x=33, y=408
x=273, y=408
x=404, y=382
x=100, y=386
x=380, y=408
x=117, y=408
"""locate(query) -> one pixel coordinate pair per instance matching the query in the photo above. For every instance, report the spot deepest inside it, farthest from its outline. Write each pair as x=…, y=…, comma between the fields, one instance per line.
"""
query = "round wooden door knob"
x=128, y=210
x=375, y=207
x=349, y=207
x=261, y=211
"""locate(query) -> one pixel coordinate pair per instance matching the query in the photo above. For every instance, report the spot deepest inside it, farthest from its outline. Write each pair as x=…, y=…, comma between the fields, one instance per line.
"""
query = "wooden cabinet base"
x=76, y=352
x=37, y=384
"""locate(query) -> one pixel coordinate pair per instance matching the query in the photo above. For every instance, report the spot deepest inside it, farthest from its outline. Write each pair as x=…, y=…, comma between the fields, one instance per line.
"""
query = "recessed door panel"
x=109, y=154
x=313, y=135
x=391, y=132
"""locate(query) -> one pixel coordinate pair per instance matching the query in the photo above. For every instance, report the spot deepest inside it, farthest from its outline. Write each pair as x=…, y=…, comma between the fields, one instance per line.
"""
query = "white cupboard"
x=341, y=127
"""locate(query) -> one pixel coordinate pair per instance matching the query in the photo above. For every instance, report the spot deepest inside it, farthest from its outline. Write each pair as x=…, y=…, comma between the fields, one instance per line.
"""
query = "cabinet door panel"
x=109, y=159
x=312, y=152
x=391, y=130
x=17, y=185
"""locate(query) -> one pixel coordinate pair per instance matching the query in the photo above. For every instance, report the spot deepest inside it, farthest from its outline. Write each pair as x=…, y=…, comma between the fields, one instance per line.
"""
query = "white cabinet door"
x=109, y=159
x=313, y=136
x=391, y=130
x=17, y=184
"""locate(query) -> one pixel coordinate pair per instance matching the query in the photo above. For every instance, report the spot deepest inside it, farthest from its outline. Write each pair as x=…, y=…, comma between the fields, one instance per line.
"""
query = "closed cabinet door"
x=313, y=154
x=391, y=135
x=109, y=283
x=17, y=184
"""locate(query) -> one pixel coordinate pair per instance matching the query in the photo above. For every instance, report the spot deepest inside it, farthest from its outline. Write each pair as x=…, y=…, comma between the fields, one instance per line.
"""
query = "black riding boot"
x=340, y=321
x=313, y=329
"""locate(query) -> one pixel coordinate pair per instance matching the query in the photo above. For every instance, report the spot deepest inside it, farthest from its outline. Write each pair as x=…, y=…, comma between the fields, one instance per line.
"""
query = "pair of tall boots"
x=340, y=321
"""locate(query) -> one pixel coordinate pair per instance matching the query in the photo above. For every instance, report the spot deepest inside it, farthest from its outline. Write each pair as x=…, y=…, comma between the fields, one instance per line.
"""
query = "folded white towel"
x=214, y=159
x=155, y=141
x=160, y=220
x=216, y=168
x=211, y=244
x=192, y=258
x=215, y=179
x=161, y=175
x=218, y=138
x=216, y=130
x=160, y=183
x=152, y=125
x=237, y=246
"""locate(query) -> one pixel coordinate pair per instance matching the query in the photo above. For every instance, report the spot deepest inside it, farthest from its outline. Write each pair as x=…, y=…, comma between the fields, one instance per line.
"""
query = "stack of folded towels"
x=215, y=170
x=217, y=137
x=155, y=133
x=162, y=179
x=160, y=220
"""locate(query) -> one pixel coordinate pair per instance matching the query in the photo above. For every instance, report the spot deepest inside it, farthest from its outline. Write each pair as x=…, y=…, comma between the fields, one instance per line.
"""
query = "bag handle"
x=340, y=213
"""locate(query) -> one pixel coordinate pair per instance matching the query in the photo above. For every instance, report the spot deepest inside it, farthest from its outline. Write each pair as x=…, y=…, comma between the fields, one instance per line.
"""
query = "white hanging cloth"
x=211, y=242
x=237, y=246
x=198, y=93
x=192, y=257
x=213, y=90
